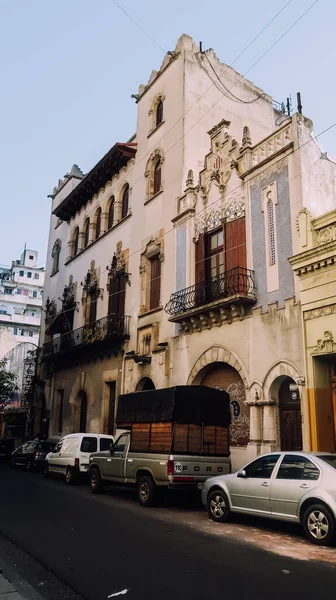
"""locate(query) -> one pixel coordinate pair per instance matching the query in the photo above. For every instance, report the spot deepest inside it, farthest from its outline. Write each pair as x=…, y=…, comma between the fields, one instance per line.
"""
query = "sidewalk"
x=13, y=587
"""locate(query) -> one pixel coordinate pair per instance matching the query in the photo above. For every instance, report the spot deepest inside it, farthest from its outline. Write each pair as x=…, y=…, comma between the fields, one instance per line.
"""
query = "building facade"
x=168, y=262
x=315, y=267
x=21, y=297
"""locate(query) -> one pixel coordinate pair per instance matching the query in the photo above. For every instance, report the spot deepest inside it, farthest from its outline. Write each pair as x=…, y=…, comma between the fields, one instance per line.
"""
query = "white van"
x=70, y=456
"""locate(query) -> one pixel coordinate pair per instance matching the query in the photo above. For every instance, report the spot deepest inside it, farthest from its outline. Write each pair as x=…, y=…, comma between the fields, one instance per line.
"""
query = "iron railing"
x=237, y=281
x=112, y=327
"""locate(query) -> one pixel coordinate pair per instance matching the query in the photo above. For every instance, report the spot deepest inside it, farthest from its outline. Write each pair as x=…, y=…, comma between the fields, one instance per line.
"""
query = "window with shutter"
x=159, y=113
x=235, y=255
x=155, y=283
x=76, y=241
x=111, y=214
x=98, y=223
x=157, y=177
x=86, y=233
x=124, y=202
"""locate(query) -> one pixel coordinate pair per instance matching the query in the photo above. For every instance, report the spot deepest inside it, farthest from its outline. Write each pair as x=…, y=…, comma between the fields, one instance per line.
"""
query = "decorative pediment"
x=326, y=344
x=118, y=266
x=220, y=162
x=69, y=294
x=152, y=248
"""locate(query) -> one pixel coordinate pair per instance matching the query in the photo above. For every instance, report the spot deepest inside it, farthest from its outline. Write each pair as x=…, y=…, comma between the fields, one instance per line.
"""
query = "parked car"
x=70, y=457
x=31, y=455
x=289, y=486
x=7, y=446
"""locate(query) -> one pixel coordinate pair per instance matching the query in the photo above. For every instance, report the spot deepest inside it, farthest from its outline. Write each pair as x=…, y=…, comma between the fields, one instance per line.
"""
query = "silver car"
x=289, y=486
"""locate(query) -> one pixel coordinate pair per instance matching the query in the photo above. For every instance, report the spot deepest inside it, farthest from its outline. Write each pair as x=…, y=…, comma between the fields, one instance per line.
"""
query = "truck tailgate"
x=196, y=469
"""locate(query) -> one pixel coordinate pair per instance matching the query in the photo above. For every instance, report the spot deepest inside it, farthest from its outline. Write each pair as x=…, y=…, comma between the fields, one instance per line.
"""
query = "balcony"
x=213, y=301
x=104, y=334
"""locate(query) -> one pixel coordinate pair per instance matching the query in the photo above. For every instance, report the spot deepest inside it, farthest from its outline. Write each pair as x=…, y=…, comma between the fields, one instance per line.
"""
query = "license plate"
x=200, y=486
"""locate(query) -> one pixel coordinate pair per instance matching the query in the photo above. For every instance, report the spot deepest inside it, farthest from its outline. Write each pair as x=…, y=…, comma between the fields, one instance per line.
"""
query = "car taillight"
x=37, y=454
x=77, y=463
x=170, y=467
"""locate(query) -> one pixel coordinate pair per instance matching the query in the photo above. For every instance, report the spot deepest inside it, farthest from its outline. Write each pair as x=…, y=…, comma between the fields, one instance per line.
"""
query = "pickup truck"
x=148, y=471
x=174, y=438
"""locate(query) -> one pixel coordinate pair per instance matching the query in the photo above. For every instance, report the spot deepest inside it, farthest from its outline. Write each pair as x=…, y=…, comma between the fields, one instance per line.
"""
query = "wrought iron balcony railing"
x=236, y=282
x=112, y=327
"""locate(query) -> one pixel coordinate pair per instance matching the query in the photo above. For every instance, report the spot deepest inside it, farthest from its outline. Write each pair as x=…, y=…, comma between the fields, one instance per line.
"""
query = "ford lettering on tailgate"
x=208, y=469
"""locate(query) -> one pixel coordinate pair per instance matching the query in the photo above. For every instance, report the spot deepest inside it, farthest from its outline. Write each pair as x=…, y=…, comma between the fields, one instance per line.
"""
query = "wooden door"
x=290, y=429
x=155, y=283
x=290, y=417
x=116, y=305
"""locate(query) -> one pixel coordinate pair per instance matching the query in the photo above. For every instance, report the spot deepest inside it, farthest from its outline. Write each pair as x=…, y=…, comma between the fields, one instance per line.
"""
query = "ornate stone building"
x=315, y=266
x=168, y=262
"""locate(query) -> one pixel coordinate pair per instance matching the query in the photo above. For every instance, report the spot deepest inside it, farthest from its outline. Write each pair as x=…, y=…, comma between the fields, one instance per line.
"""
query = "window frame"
x=298, y=458
x=98, y=230
x=259, y=459
x=159, y=113
x=111, y=210
x=125, y=201
x=75, y=238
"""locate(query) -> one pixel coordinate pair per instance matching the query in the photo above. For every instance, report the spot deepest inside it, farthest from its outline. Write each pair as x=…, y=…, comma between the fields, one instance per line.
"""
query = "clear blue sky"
x=68, y=68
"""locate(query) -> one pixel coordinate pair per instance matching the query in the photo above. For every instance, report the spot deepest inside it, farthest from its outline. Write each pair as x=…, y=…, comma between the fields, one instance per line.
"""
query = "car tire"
x=218, y=506
x=29, y=466
x=96, y=482
x=319, y=524
x=146, y=490
x=46, y=472
x=70, y=476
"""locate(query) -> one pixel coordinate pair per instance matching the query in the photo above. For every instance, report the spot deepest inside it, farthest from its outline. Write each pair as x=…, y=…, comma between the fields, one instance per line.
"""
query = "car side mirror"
x=242, y=474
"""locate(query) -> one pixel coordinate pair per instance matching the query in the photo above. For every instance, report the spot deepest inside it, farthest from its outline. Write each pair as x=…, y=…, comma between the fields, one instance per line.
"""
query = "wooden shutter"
x=157, y=178
x=200, y=259
x=155, y=283
x=93, y=307
x=235, y=244
x=117, y=293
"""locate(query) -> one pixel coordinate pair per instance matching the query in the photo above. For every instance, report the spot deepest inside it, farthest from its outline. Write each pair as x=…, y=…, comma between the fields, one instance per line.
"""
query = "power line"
x=139, y=26
x=147, y=154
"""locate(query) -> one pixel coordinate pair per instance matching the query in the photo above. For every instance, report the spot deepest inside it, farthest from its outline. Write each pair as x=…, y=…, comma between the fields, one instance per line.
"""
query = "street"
x=102, y=545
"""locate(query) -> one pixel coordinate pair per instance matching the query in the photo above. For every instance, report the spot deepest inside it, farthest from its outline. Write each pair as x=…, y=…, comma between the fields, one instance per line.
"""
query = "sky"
x=68, y=69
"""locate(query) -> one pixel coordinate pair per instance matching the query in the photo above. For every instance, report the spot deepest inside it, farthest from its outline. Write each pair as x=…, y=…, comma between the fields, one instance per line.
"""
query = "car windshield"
x=329, y=458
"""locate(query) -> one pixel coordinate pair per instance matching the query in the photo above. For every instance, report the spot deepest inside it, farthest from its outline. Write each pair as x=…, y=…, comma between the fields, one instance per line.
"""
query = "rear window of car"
x=105, y=444
x=46, y=446
x=329, y=458
x=89, y=444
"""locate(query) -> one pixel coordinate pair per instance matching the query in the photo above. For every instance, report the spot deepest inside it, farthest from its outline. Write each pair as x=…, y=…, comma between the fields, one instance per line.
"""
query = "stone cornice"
x=314, y=258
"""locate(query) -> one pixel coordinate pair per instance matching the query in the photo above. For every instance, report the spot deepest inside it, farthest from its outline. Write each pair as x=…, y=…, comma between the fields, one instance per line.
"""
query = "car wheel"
x=146, y=490
x=70, y=476
x=96, y=482
x=319, y=524
x=46, y=471
x=218, y=506
x=29, y=466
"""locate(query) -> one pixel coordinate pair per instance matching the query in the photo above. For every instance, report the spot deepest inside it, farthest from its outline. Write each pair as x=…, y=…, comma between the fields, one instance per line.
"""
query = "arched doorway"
x=145, y=384
x=82, y=401
x=226, y=377
x=290, y=415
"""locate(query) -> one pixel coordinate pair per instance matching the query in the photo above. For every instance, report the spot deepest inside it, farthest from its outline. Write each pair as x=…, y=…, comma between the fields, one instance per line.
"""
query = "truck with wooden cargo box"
x=173, y=438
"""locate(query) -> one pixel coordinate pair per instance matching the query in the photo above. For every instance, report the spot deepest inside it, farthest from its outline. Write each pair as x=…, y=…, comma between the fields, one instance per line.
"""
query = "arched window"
x=124, y=202
x=86, y=232
x=98, y=223
x=75, y=241
x=159, y=113
x=157, y=177
x=110, y=214
x=55, y=254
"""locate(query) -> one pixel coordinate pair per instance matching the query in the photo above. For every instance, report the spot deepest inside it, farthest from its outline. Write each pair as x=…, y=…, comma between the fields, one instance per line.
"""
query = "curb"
x=22, y=587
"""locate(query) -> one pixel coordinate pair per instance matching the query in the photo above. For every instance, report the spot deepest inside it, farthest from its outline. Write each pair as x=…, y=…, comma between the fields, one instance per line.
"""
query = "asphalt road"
x=101, y=545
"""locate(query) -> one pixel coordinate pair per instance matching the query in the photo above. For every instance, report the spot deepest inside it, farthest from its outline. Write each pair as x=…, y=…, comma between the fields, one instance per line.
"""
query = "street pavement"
x=104, y=545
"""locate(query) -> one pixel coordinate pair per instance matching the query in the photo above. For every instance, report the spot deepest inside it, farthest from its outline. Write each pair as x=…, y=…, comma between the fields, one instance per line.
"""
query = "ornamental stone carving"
x=326, y=344
x=235, y=210
x=320, y=312
x=327, y=234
